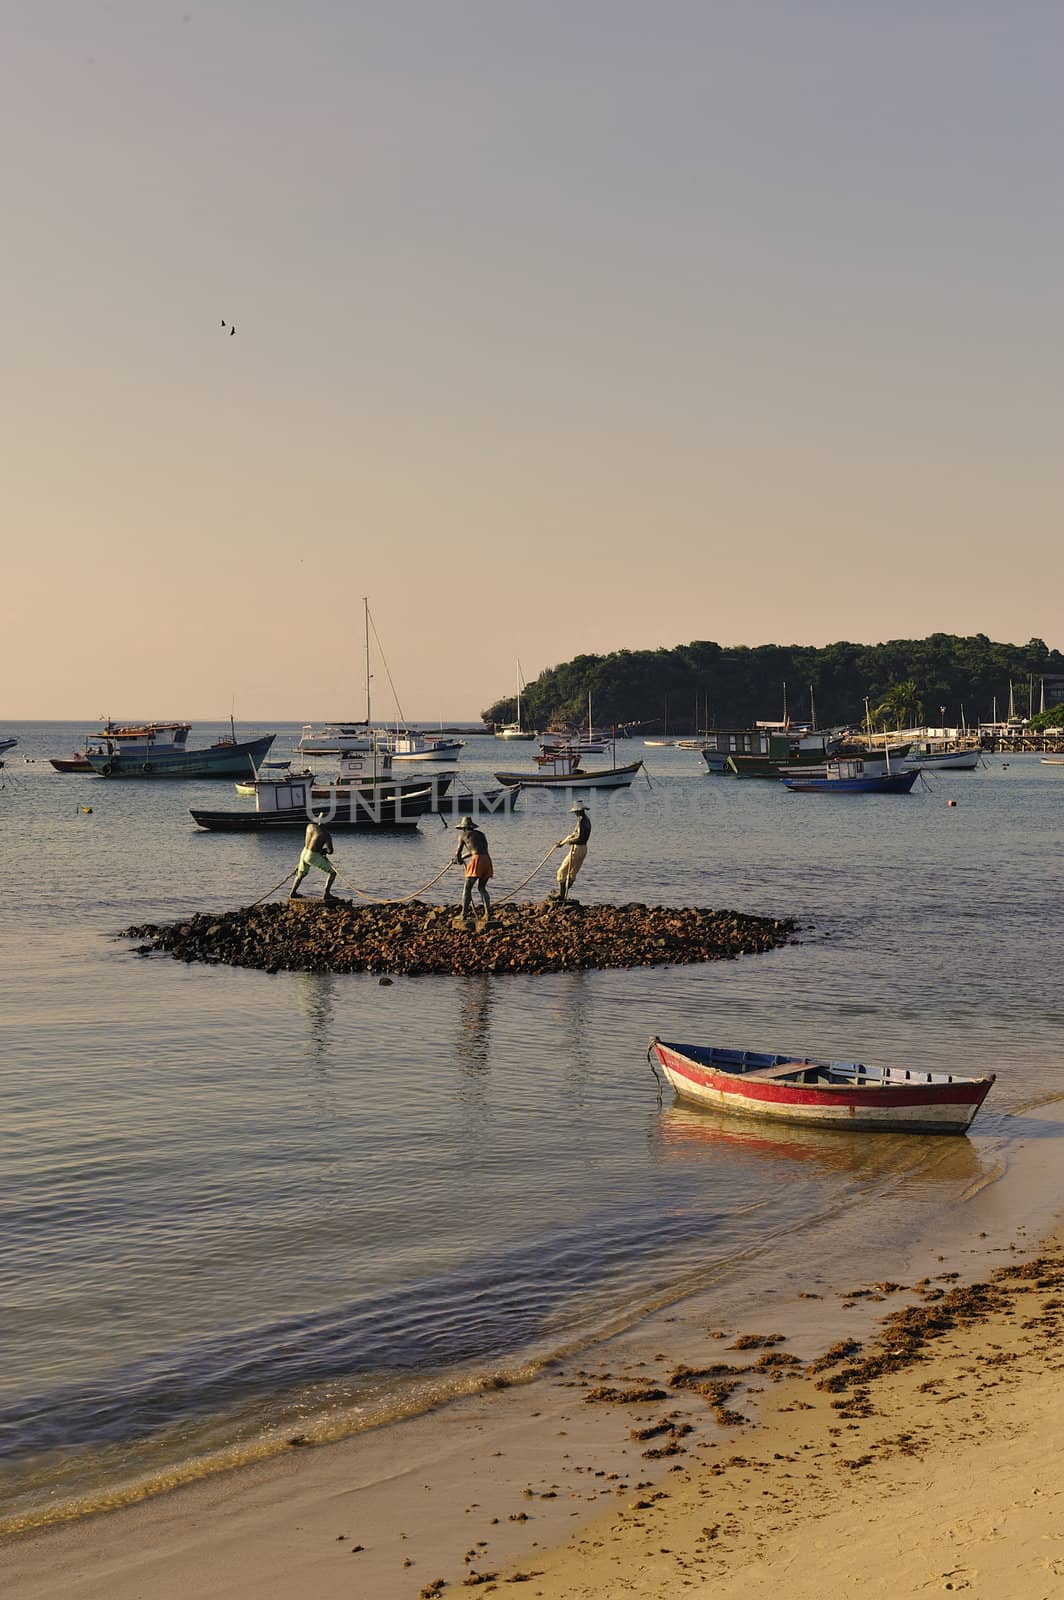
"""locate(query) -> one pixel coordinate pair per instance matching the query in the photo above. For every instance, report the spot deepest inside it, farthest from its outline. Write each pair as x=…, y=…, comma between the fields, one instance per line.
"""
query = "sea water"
x=236, y=1206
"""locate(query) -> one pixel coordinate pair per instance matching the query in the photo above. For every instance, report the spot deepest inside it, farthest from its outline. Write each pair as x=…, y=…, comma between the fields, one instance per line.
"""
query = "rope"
x=274, y=890
x=531, y=875
x=380, y=900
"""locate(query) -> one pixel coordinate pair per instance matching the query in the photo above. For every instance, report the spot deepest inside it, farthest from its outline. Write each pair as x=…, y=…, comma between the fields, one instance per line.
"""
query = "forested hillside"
x=711, y=685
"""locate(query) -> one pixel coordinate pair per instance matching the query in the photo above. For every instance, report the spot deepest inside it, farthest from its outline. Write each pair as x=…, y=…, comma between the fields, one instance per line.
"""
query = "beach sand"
x=926, y=1460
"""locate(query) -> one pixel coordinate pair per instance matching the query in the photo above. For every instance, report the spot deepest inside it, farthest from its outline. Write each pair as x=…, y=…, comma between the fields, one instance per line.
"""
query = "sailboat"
x=515, y=730
x=342, y=738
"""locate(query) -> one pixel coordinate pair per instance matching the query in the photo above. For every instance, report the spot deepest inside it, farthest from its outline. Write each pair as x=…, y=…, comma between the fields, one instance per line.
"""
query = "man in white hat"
x=577, y=842
x=478, y=867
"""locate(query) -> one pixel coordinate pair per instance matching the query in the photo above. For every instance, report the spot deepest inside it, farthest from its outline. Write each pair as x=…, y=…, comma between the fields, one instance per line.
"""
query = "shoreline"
x=511, y=1482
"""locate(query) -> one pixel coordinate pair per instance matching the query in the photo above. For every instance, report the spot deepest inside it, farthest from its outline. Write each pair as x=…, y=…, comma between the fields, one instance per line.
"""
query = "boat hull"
x=217, y=761
x=608, y=778
x=883, y=1099
x=365, y=811
x=282, y=822
x=884, y=783
x=950, y=761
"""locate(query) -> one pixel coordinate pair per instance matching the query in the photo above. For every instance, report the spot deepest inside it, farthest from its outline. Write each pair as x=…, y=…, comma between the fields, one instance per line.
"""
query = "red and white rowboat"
x=835, y=1094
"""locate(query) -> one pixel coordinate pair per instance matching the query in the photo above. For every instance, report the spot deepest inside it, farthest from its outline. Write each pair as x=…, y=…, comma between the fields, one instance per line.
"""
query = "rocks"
x=417, y=938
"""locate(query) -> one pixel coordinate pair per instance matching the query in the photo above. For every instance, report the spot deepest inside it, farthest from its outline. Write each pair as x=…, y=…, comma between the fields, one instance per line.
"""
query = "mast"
x=519, y=694
x=812, y=708
x=365, y=607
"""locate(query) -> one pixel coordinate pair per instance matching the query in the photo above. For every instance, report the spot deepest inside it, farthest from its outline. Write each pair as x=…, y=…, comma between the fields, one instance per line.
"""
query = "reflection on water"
x=691, y=1135
x=473, y=1036
x=316, y=995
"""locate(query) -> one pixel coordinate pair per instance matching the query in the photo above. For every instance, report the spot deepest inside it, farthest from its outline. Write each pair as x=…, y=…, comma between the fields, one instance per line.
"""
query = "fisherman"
x=577, y=842
x=317, y=848
x=478, y=866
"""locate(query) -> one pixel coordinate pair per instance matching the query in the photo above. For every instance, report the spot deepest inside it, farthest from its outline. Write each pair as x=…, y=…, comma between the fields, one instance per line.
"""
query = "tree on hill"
x=709, y=685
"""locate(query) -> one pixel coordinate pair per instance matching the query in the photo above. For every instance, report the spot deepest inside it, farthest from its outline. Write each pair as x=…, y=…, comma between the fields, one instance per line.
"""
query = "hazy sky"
x=561, y=325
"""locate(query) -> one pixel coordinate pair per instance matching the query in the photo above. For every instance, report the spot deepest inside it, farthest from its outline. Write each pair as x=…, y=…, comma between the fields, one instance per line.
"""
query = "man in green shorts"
x=317, y=848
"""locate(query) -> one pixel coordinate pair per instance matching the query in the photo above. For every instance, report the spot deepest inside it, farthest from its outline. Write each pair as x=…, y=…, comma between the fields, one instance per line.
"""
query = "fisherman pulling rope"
x=478, y=867
x=471, y=840
x=577, y=842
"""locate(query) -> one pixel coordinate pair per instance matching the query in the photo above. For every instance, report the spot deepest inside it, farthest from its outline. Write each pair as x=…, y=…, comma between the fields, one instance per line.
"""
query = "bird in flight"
x=232, y=330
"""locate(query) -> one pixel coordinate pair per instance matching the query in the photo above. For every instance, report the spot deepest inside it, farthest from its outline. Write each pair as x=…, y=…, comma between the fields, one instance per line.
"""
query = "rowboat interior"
x=761, y=1067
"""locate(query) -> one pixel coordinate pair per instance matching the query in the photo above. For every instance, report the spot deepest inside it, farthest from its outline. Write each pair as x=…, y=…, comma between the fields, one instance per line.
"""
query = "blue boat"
x=850, y=777
x=224, y=759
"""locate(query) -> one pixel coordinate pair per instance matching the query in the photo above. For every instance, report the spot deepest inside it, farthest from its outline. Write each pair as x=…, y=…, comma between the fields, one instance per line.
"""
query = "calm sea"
x=234, y=1204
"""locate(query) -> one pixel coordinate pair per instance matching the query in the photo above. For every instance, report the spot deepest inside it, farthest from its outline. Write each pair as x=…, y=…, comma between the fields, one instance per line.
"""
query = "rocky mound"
x=316, y=936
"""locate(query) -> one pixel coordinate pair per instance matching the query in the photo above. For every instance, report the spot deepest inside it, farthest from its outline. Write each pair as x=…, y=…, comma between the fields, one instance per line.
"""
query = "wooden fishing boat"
x=829, y=1094
x=568, y=774
x=227, y=758
x=289, y=806
x=7, y=744
x=133, y=741
x=850, y=777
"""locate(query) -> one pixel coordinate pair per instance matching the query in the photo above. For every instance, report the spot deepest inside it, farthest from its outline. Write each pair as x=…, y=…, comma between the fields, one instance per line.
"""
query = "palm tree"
x=900, y=707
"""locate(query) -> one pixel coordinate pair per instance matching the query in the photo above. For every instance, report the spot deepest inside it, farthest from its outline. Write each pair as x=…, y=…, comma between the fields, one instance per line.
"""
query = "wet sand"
x=884, y=1437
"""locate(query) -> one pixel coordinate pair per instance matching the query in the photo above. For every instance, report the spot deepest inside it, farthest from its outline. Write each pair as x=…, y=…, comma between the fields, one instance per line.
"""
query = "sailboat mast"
x=365, y=608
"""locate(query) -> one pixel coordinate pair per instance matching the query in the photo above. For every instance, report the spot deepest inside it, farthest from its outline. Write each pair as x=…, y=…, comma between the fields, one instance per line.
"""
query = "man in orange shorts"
x=478, y=867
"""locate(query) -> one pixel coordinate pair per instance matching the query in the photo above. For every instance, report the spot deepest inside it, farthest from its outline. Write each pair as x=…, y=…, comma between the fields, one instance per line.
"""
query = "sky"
x=561, y=326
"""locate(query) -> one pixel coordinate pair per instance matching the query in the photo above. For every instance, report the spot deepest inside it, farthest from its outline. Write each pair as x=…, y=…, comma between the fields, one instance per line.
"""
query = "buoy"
x=86, y=811
x=951, y=802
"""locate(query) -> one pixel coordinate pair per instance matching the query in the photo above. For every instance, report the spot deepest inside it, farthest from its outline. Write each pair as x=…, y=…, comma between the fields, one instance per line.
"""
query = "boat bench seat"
x=784, y=1069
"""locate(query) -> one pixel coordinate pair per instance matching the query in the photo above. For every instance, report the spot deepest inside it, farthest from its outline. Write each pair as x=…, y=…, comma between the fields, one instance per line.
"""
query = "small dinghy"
x=835, y=1094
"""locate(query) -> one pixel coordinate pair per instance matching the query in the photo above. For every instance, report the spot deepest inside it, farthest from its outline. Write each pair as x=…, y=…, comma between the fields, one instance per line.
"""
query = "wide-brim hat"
x=578, y=807
x=466, y=822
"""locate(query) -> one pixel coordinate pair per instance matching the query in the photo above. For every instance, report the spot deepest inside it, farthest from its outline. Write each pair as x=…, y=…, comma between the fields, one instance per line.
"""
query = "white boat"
x=415, y=746
x=944, y=760
x=335, y=738
x=515, y=730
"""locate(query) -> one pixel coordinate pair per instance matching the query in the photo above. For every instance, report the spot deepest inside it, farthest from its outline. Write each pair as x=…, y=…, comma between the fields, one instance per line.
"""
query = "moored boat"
x=335, y=738
x=568, y=774
x=144, y=741
x=944, y=760
x=836, y=1094
x=851, y=777
x=415, y=746
x=763, y=751
x=290, y=804
x=227, y=758
x=7, y=744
